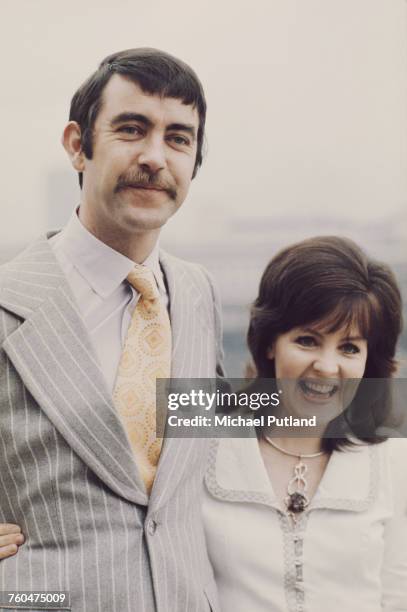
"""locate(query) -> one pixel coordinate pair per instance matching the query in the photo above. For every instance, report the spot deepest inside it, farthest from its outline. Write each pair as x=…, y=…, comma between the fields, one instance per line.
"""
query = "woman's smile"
x=316, y=390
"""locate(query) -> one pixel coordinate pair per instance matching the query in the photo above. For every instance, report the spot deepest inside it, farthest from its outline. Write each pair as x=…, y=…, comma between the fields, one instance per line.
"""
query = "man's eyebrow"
x=182, y=127
x=123, y=117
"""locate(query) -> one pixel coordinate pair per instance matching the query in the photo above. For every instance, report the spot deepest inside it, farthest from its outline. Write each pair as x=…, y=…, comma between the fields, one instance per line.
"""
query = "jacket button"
x=151, y=527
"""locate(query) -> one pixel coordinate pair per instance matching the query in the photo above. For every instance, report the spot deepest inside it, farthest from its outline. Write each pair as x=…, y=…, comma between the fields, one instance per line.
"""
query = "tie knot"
x=142, y=279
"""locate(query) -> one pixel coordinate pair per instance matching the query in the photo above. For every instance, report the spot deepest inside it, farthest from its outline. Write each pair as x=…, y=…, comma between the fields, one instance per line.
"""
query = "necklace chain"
x=291, y=454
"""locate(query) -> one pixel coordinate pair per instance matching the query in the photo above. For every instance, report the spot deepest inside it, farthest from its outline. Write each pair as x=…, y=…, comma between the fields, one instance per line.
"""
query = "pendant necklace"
x=297, y=499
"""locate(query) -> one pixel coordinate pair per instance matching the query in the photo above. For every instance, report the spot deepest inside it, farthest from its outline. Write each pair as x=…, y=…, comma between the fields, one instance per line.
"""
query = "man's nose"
x=152, y=157
x=326, y=364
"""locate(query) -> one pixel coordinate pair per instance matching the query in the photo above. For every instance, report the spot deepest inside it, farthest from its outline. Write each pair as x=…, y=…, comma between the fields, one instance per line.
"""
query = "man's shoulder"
x=36, y=251
x=180, y=263
x=186, y=271
x=27, y=278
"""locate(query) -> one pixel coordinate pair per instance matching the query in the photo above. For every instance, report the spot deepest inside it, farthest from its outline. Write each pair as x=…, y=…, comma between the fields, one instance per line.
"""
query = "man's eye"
x=130, y=129
x=350, y=349
x=179, y=140
x=306, y=341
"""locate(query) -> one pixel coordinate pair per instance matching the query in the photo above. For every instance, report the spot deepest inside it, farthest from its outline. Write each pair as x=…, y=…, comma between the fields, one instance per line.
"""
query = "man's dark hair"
x=328, y=280
x=156, y=72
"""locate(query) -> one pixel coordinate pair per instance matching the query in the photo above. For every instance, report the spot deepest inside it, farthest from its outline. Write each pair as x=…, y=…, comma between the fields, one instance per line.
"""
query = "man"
x=108, y=514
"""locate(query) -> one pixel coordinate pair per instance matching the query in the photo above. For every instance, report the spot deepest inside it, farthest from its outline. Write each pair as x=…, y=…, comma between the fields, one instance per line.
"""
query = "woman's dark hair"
x=156, y=72
x=328, y=280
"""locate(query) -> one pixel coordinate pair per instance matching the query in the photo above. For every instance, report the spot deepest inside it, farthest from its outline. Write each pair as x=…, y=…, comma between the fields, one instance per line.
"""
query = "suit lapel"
x=54, y=357
x=187, y=318
x=182, y=456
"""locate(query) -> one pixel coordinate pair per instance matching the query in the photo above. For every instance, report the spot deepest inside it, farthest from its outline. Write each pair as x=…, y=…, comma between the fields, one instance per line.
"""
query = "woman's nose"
x=326, y=365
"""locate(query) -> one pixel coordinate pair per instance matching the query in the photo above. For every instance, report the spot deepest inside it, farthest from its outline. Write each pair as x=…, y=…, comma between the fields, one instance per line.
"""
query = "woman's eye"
x=350, y=349
x=307, y=341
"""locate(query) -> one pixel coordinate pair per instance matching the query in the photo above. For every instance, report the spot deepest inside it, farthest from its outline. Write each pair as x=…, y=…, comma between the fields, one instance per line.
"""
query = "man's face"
x=144, y=150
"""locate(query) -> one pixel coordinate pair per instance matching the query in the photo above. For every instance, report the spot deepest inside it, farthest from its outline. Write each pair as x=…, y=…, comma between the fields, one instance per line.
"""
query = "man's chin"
x=144, y=220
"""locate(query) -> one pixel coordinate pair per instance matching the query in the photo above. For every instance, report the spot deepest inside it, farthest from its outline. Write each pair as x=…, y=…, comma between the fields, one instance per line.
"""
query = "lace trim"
x=335, y=503
x=232, y=495
x=293, y=537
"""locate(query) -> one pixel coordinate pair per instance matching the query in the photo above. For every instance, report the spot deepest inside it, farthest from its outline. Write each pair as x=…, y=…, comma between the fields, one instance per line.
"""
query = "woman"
x=310, y=521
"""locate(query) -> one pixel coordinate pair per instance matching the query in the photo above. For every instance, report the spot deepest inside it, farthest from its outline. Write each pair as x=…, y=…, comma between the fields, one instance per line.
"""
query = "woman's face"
x=312, y=366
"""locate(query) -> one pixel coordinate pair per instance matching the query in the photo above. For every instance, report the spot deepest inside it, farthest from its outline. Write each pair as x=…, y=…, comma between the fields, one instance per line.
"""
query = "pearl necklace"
x=297, y=499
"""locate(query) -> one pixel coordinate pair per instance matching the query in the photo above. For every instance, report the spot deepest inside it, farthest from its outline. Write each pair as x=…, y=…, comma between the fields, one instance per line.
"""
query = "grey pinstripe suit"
x=68, y=476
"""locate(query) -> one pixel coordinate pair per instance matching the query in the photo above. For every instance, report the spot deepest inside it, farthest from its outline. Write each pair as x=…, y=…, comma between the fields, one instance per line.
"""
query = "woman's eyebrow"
x=309, y=330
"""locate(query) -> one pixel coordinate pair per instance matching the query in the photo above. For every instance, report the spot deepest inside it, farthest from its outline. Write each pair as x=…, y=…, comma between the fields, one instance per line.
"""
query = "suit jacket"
x=68, y=475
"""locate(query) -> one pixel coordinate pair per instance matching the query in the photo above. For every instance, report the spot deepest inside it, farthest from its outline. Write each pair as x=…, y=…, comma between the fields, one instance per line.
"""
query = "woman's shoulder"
x=395, y=450
x=392, y=453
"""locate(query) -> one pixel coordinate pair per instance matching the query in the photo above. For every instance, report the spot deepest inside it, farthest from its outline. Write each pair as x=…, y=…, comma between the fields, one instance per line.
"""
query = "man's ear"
x=71, y=141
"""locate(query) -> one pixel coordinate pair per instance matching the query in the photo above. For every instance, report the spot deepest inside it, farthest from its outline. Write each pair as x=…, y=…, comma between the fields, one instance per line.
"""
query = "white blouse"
x=348, y=552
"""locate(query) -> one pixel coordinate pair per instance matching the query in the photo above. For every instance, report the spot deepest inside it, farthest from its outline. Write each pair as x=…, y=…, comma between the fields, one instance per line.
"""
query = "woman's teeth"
x=315, y=388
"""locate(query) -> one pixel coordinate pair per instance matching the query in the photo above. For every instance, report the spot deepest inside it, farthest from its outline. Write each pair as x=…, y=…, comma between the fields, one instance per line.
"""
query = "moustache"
x=145, y=180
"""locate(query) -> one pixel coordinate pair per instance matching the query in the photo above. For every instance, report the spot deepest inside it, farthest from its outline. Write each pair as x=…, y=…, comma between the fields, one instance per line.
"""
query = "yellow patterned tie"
x=146, y=356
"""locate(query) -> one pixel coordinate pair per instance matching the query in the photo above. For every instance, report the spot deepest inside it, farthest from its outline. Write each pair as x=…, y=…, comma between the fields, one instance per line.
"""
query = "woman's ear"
x=270, y=352
x=250, y=370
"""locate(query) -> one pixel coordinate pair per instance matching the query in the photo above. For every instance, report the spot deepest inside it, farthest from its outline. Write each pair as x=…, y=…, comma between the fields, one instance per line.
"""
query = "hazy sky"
x=307, y=105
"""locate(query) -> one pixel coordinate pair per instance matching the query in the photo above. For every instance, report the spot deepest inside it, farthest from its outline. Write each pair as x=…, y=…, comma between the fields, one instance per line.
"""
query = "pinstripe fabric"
x=68, y=475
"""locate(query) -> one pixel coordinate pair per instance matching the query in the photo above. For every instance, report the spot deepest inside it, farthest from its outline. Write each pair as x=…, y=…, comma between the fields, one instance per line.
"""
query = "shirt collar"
x=100, y=265
x=236, y=472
